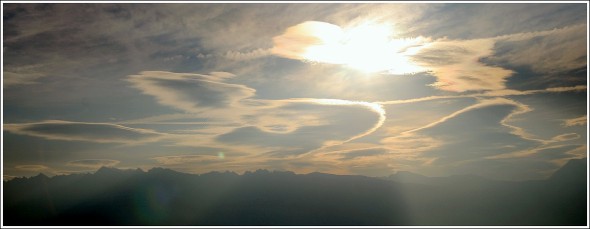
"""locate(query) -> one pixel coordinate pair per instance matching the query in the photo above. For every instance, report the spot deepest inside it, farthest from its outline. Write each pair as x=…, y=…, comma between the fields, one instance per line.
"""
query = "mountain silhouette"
x=115, y=197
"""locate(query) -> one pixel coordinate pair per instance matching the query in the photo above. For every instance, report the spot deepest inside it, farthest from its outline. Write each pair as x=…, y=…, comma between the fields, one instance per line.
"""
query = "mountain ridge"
x=159, y=196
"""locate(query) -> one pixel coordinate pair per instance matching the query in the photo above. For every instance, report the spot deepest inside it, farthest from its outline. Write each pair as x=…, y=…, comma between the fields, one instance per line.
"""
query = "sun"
x=368, y=47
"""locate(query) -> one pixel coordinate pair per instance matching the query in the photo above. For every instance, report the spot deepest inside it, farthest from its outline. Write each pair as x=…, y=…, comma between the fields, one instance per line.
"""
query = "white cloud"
x=83, y=131
x=94, y=163
x=33, y=168
x=457, y=66
x=187, y=159
x=190, y=92
x=565, y=137
x=579, y=121
x=521, y=108
x=496, y=93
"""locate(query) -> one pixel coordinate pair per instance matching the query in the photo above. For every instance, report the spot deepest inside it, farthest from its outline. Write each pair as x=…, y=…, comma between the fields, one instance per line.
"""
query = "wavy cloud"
x=190, y=92
x=336, y=124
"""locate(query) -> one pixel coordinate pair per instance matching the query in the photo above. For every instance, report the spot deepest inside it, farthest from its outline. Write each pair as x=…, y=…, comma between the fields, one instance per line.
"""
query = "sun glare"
x=368, y=47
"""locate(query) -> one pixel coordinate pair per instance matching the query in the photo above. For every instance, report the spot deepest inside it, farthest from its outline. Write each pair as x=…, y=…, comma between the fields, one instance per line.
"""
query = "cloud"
x=481, y=104
x=457, y=66
x=33, y=168
x=555, y=152
x=496, y=93
x=550, y=51
x=279, y=58
x=82, y=131
x=363, y=153
x=297, y=39
x=565, y=137
x=222, y=75
x=188, y=159
x=6, y=177
x=579, y=121
x=190, y=92
x=13, y=78
x=94, y=163
x=329, y=123
x=242, y=56
x=481, y=130
x=411, y=143
x=366, y=46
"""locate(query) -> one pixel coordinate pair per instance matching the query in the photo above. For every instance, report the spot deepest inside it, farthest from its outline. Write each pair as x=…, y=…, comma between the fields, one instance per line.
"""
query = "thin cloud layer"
x=81, y=131
x=94, y=163
x=552, y=51
x=35, y=168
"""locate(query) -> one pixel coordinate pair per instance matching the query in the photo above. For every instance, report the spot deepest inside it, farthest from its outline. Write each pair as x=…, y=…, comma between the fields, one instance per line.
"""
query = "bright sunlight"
x=368, y=47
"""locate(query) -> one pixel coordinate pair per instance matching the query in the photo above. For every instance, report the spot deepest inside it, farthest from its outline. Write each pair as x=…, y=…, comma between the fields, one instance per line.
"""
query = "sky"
x=495, y=90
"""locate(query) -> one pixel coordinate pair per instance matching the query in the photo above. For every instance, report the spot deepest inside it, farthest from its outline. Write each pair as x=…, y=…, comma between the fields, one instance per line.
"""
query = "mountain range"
x=114, y=197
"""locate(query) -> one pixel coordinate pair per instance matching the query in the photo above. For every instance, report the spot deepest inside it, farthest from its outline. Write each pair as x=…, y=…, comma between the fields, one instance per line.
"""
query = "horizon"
x=92, y=172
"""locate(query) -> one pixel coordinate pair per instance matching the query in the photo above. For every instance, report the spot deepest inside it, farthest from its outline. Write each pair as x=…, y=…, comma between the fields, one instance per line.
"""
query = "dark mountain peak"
x=268, y=172
x=112, y=171
x=318, y=174
x=217, y=173
x=573, y=169
x=468, y=177
x=409, y=177
x=107, y=171
x=164, y=172
x=40, y=176
x=261, y=171
x=160, y=170
x=407, y=174
x=284, y=172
